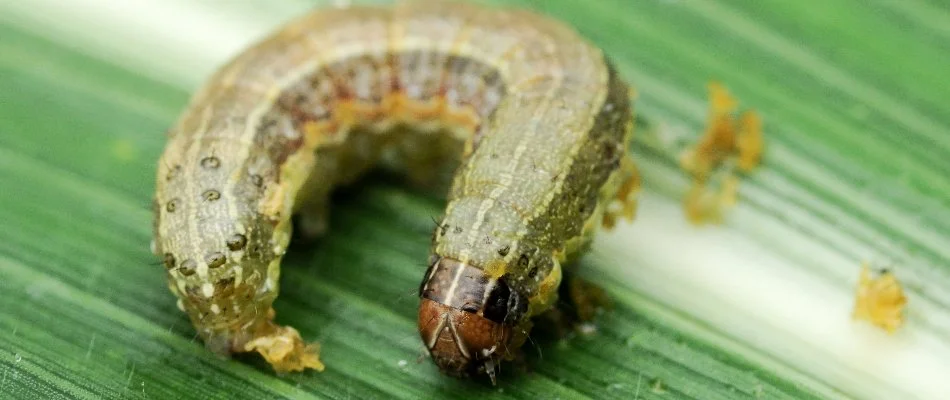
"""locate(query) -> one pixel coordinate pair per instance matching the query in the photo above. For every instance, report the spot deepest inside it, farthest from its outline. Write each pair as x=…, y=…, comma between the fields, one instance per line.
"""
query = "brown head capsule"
x=466, y=318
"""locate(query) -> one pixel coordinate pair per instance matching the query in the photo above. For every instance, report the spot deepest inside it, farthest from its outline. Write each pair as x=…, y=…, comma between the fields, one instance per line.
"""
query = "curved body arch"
x=532, y=119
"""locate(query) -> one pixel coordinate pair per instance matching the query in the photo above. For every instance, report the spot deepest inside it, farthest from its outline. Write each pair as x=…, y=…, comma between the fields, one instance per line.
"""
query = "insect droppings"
x=727, y=149
x=879, y=299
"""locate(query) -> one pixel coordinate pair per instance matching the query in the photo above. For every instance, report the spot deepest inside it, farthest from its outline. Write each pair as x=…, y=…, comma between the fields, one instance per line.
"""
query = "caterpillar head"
x=467, y=319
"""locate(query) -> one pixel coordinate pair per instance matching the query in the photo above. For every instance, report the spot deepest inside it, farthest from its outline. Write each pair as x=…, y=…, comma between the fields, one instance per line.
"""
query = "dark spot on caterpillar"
x=210, y=162
x=255, y=248
x=486, y=240
x=443, y=229
x=257, y=180
x=188, y=267
x=172, y=205
x=523, y=261
x=236, y=242
x=458, y=230
x=504, y=251
x=533, y=272
x=493, y=156
x=215, y=260
x=211, y=195
x=173, y=172
x=169, y=260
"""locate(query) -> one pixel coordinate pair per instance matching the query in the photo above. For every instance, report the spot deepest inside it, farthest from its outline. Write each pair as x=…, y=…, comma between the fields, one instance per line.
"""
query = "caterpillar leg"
x=586, y=298
x=579, y=302
x=624, y=203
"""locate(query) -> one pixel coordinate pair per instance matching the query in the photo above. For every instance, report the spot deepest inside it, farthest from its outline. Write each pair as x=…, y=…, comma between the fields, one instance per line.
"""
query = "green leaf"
x=854, y=99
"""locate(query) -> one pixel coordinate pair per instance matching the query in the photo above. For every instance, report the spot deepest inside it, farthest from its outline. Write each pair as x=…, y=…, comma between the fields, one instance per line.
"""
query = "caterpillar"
x=533, y=119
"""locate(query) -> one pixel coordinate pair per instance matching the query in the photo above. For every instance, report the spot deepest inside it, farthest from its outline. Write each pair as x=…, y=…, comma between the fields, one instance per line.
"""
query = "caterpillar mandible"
x=534, y=120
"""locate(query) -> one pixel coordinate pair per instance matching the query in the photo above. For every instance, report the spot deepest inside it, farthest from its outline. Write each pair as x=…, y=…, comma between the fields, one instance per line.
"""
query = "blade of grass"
x=772, y=289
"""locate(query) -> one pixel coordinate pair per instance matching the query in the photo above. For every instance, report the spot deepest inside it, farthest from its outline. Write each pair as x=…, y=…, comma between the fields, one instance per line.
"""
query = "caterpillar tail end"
x=285, y=350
